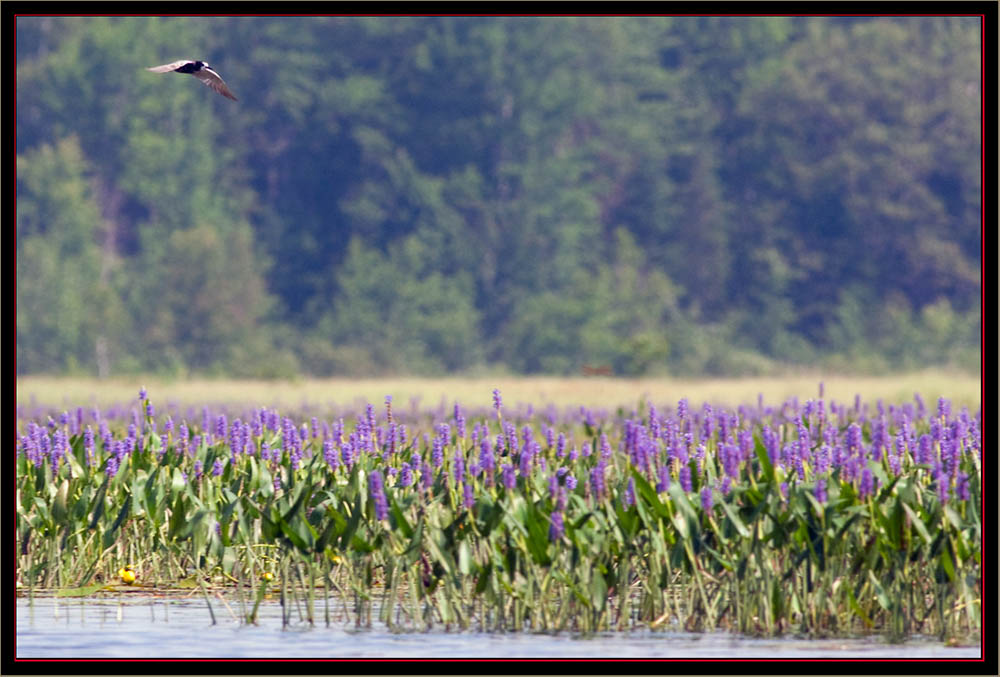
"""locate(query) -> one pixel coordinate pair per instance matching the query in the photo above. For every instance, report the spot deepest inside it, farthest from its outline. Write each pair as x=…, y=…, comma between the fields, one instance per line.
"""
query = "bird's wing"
x=212, y=79
x=166, y=68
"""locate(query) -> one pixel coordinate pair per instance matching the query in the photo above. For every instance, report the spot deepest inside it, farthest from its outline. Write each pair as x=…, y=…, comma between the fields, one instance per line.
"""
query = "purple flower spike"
x=486, y=463
x=685, y=477
x=376, y=489
x=820, y=491
x=867, y=487
x=524, y=461
x=597, y=484
x=944, y=408
x=509, y=479
x=329, y=455
x=426, y=476
x=942, y=482
x=468, y=497
x=557, y=528
x=553, y=485
x=605, y=447
x=663, y=479
x=962, y=487
x=706, y=498
x=458, y=468
x=630, y=493
x=112, y=467
x=925, y=450
x=405, y=475
x=497, y=402
x=88, y=444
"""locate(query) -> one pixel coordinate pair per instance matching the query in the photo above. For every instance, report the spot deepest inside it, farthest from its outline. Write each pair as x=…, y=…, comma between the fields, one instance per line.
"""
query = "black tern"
x=200, y=70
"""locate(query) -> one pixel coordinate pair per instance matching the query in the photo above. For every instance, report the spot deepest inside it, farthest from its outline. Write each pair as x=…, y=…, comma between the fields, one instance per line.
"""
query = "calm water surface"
x=135, y=626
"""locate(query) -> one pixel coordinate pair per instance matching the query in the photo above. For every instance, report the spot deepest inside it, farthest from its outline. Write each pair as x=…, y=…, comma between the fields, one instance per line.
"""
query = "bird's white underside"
x=166, y=68
x=206, y=75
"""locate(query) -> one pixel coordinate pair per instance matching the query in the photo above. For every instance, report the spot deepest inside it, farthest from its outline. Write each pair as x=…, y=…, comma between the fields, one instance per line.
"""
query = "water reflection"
x=131, y=627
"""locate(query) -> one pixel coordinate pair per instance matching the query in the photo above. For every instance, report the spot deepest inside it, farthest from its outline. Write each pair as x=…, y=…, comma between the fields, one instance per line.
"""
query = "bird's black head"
x=201, y=64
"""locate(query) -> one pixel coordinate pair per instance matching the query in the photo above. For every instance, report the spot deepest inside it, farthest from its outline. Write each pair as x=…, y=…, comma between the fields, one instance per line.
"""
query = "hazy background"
x=426, y=196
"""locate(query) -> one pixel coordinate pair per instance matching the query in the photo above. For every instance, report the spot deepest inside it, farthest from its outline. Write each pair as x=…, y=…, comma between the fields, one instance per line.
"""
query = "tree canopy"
x=390, y=195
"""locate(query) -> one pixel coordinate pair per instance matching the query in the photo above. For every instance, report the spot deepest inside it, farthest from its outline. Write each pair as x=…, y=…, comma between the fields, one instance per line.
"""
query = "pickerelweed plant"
x=817, y=518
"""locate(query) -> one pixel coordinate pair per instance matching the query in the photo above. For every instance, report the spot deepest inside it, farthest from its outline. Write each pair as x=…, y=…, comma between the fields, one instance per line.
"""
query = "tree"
x=400, y=314
x=845, y=177
x=66, y=303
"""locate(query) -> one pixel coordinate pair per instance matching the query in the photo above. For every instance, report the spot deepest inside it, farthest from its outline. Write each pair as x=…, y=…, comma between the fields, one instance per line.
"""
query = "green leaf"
x=946, y=564
x=598, y=591
x=84, y=591
x=440, y=555
x=726, y=563
x=109, y=535
x=400, y=520
x=777, y=599
x=352, y=524
x=648, y=493
x=59, y=508
x=193, y=523
x=177, y=481
x=265, y=484
x=856, y=608
x=880, y=593
x=583, y=519
x=953, y=517
x=484, y=578
x=918, y=524
x=767, y=469
x=300, y=534
x=464, y=558
x=334, y=526
x=737, y=523
x=82, y=505
x=685, y=520
x=361, y=545
x=538, y=535
x=680, y=523
x=177, y=517
x=228, y=559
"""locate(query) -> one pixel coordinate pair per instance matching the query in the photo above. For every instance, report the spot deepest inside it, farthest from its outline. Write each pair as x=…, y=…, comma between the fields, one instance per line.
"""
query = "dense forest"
x=407, y=195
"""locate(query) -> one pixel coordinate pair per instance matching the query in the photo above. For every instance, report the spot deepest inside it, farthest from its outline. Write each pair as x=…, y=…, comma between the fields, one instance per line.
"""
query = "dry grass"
x=962, y=389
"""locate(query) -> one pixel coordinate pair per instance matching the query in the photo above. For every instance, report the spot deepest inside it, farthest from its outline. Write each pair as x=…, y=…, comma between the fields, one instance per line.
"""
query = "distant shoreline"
x=963, y=389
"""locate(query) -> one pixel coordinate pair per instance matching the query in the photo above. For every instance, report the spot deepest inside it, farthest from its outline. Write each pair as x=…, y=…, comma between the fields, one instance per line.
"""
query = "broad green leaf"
x=85, y=591
x=735, y=520
x=59, y=507
x=918, y=524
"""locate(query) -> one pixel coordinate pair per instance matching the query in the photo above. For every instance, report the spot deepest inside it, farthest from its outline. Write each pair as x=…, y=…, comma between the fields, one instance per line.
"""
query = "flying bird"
x=200, y=70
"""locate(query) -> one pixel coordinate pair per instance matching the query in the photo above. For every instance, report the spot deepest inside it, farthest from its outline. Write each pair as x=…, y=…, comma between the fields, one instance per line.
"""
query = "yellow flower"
x=267, y=576
x=127, y=574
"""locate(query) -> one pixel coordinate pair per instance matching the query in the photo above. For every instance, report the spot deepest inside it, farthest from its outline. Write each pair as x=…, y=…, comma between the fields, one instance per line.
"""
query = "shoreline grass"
x=961, y=388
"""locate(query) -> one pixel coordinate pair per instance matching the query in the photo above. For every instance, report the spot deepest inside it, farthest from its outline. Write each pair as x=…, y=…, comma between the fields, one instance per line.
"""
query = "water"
x=138, y=626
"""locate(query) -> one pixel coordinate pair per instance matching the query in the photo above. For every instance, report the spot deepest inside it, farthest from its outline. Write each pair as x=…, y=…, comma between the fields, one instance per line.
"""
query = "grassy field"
x=962, y=389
